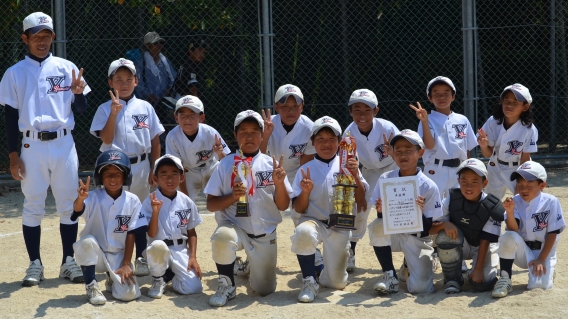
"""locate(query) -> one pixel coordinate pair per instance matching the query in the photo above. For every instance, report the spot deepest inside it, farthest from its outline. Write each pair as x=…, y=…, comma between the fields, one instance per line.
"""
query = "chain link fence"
x=327, y=48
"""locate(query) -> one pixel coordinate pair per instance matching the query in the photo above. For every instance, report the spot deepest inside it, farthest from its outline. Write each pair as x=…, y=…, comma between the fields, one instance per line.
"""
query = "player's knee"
x=86, y=244
x=189, y=287
x=265, y=289
x=377, y=234
x=158, y=252
x=224, y=245
x=446, y=242
x=507, y=244
x=304, y=239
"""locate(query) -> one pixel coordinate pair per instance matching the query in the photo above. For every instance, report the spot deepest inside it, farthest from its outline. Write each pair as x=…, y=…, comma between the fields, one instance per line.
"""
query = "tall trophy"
x=344, y=189
x=242, y=175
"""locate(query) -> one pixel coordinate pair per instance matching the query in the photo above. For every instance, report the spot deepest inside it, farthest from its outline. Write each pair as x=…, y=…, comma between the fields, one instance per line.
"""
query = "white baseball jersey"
x=110, y=220
x=175, y=218
x=136, y=125
x=41, y=92
x=198, y=154
x=265, y=216
x=453, y=137
x=323, y=175
x=426, y=188
x=540, y=216
x=510, y=144
x=291, y=145
x=370, y=149
x=491, y=226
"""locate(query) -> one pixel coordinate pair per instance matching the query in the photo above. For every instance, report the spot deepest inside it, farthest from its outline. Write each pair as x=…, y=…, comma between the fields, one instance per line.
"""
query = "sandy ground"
x=57, y=297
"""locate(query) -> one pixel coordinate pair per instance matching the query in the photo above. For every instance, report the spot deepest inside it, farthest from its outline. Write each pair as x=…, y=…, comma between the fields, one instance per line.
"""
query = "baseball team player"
x=534, y=221
x=268, y=192
x=507, y=138
x=172, y=218
x=408, y=147
x=312, y=197
x=370, y=134
x=131, y=125
x=197, y=145
x=37, y=94
x=112, y=219
x=469, y=229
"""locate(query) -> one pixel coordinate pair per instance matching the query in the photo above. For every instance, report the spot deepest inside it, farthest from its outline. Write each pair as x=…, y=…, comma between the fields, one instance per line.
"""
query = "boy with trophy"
x=324, y=194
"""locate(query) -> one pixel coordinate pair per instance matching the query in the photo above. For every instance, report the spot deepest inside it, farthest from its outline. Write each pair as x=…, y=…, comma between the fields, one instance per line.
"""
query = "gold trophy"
x=344, y=189
x=241, y=170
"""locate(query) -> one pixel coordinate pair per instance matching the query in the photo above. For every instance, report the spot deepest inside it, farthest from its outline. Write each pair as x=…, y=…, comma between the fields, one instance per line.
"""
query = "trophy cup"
x=344, y=189
x=241, y=172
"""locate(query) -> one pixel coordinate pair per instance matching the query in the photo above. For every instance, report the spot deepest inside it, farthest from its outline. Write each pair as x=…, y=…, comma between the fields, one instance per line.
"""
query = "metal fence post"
x=468, y=24
x=266, y=34
x=60, y=40
x=552, y=23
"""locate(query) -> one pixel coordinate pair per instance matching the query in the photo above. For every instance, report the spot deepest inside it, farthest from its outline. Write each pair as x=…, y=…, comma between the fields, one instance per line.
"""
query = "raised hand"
x=268, y=125
x=77, y=84
x=155, y=202
x=83, y=190
x=218, y=147
x=387, y=148
x=278, y=174
x=509, y=206
x=421, y=113
x=306, y=184
x=482, y=138
x=115, y=105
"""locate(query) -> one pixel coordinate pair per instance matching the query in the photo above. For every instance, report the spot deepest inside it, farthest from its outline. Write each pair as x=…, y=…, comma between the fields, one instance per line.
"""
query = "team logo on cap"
x=290, y=89
x=43, y=20
x=364, y=94
x=55, y=84
x=540, y=220
x=406, y=132
x=187, y=100
x=140, y=120
x=203, y=156
x=297, y=150
x=380, y=149
x=470, y=163
x=526, y=166
x=264, y=179
x=460, y=130
x=123, y=62
x=114, y=156
x=182, y=215
x=516, y=86
x=326, y=120
x=122, y=221
x=514, y=147
x=250, y=113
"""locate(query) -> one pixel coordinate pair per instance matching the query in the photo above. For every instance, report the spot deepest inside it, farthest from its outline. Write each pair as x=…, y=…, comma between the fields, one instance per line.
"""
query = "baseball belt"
x=170, y=242
x=454, y=162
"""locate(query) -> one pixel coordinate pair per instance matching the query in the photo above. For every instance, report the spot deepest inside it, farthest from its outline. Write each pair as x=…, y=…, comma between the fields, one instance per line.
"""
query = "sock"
x=88, y=273
x=353, y=244
x=307, y=265
x=68, y=238
x=169, y=275
x=227, y=270
x=384, y=255
x=32, y=237
x=507, y=266
x=141, y=244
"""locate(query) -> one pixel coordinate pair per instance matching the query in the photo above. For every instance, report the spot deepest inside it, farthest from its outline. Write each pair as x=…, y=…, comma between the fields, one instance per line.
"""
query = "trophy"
x=344, y=189
x=242, y=175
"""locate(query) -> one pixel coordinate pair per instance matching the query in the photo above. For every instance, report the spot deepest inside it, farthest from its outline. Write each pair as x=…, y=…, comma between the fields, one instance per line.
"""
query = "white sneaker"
x=309, y=291
x=351, y=261
x=388, y=283
x=403, y=273
x=242, y=268
x=464, y=266
x=503, y=286
x=157, y=289
x=319, y=258
x=34, y=274
x=71, y=271
x=94, y=293
x=108, y=283
x=435, y=262
x=141, y=267
x=224, y=293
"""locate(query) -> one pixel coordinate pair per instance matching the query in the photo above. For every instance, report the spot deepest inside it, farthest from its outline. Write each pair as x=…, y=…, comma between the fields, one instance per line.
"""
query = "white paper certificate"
x=401, y=214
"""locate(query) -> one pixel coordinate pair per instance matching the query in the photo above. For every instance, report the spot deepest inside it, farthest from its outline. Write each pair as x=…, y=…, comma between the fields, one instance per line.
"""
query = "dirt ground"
x=56, y=297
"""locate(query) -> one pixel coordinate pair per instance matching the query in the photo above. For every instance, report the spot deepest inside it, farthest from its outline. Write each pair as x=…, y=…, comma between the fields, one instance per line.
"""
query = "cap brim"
x=477, y=171
x=261, y=124
x=284, y=97
x=191, y=107
x=524, y=174
x=113, y=72
x=38, y=28
x=119, y=168
x=368, y=103
x=396, y=138
x=337, y=133
x=518, y=95
x=166, y=160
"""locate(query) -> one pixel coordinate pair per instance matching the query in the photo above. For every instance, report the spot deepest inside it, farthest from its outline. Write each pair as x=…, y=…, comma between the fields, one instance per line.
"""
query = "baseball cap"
x=530, y=171
x=168, y=158
x=326, y=121
x=246, y=114
x=116, y=64
x=152, y=37
x=521, y=92
x=409, y=135
x=38, y=21
x=475, y=165
x=286, y=90
x=191, y=102
x=364, y=96
x=438, y=80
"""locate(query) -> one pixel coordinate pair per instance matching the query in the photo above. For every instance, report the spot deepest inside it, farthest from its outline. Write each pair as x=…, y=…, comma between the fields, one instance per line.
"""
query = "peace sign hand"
x=218, y=147
x=268, y=125
x=156, y=203
x=306, y=184
x=387, y=148
x=279, y=174
x=83, y=190
x=482, y=139
x=421, y=113
x=115, y=105
x=77, y=84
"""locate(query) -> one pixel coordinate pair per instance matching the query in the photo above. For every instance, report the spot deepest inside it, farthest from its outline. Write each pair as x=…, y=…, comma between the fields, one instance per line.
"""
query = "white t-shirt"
x=370, y=149
x=510, y=144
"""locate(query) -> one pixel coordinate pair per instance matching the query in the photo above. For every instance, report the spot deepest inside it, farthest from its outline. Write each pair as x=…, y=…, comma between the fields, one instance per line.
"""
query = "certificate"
x=401, y=214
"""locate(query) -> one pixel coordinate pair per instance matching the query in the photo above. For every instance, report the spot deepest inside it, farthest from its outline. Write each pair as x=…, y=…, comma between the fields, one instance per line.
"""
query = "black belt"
x=454, y=162
x=258, y=236
x=325, y=221
x=46, y=136
x=170, y=242
x=534, y=245
x=507, y=163
x=134, y=160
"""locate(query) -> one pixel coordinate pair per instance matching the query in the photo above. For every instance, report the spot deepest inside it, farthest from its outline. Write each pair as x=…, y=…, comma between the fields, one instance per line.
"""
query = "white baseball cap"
x=152, y=37
x=286, y=90
x=326, y=121
x=409, y=135
x=475, y=165
x=249, y=113
x=168, y=157
x=440, y=79
x=38, y=21
x=191, y=102
x=364, y=96
x=521, y=92
x=116, y=64
x=530, y=171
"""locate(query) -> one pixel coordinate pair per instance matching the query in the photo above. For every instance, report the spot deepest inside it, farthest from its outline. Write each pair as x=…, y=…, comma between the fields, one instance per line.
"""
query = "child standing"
x=130, y=125
x=370, y=134
x=507, y=138
x=112, y=220
x=534, y=221
x=172, y=218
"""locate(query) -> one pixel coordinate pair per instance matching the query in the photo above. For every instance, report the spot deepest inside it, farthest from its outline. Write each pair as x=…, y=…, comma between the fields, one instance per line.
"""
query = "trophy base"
x=242, y=210
x=341, y=221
